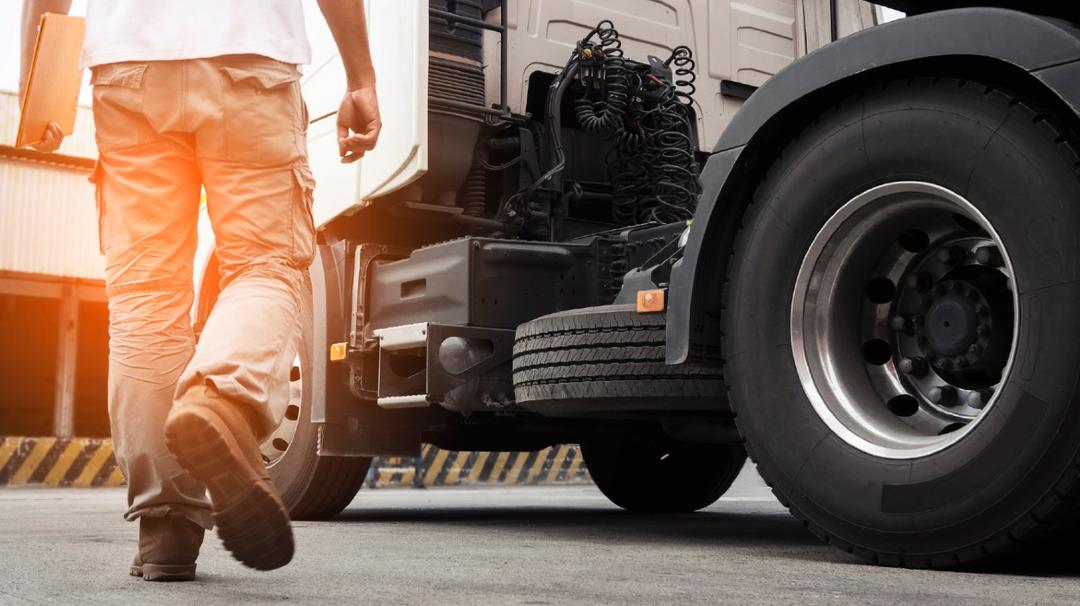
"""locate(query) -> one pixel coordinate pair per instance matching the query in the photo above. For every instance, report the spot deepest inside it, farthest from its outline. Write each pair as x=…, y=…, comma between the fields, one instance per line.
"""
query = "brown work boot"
x=215, y=443
x=168, y=548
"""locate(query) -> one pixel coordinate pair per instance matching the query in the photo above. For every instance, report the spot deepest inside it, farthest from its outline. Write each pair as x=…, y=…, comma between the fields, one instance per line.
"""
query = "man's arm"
x=359, y=111
x=31, y=18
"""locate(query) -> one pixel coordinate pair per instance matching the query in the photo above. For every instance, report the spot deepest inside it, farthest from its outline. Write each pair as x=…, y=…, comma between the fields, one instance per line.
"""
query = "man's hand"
x=359, y=113
x=359, y=110
x=51, y=140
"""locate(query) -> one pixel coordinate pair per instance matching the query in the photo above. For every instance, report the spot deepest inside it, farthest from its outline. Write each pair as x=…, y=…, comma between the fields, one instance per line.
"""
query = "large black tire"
x=650, y=474
x=314, y=487
x=1014, y=479
x=602, y=359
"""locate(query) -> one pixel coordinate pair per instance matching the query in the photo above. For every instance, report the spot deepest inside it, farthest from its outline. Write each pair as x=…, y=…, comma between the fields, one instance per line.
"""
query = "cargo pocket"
x=303, y=218
x=99, y=200
x=263, y=114
x=127, y=75
x=118, y=97
x=264, y=77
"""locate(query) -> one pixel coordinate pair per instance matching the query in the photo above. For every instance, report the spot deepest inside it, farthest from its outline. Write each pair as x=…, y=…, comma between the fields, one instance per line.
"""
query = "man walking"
x=193, y=95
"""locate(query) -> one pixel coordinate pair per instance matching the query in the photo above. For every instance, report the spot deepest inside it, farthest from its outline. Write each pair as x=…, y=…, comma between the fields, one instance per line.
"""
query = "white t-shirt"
x=161, y=30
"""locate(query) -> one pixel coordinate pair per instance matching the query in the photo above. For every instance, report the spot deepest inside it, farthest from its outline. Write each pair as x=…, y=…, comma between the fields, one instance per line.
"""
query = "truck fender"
x=1043, y=49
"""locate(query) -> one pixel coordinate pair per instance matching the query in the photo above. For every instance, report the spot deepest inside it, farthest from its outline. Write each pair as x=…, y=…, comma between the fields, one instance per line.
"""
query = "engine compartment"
x=519, y=215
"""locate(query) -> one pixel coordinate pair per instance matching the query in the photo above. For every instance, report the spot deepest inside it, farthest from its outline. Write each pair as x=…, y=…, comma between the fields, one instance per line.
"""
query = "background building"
x=53, y=316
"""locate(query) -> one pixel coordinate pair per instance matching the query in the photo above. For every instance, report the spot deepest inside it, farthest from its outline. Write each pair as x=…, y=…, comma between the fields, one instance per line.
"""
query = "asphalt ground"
x=529, y=545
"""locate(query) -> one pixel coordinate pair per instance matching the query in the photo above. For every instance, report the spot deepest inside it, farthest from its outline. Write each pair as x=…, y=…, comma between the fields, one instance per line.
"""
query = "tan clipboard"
x=52, y=89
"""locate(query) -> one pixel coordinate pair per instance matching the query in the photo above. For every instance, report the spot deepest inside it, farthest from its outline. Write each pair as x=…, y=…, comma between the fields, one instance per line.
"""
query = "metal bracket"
x=441, y=381
x=396, y=339
x=425, y=339
x=402, y=337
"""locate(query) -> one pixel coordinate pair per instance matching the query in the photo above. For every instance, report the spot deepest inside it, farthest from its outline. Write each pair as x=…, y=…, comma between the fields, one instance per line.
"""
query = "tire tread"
x=609, y=352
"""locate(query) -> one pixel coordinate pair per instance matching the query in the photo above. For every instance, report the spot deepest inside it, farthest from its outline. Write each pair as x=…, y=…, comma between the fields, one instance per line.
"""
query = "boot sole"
x=168, y=573
x=251, y=519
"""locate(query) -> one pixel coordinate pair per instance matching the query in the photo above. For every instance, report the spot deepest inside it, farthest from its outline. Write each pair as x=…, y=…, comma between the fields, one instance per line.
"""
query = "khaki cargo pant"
x=236, y=127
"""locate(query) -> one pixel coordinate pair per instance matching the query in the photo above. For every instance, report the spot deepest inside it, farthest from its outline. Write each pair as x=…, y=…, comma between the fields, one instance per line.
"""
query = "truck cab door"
x=398, y=36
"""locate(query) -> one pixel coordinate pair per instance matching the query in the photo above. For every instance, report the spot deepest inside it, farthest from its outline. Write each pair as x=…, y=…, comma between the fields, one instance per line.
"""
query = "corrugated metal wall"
x=48, y=221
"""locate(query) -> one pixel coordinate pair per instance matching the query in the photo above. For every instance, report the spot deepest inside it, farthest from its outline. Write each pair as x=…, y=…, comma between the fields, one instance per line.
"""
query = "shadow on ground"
x=765, y=528
x=775, y=534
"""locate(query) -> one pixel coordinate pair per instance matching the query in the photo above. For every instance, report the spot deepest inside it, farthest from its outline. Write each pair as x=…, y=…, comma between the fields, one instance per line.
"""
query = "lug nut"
x=951, y=255
x=961, y=362
x=975, y=349
x=915, y=367
x=983, y=330
x=901, y=324
x=989, y=255
x=983, y=311
x=979, y=398
x=944, y=396
x=918, y=281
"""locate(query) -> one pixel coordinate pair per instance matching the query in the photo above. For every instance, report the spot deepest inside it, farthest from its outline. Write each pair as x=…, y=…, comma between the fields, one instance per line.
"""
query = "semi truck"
x=682, y=232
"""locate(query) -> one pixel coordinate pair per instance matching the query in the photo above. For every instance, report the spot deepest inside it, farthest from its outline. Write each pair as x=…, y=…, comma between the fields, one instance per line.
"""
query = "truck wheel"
x=601, y=359
x=313, y=487
x=646, y=475
x=901, y=324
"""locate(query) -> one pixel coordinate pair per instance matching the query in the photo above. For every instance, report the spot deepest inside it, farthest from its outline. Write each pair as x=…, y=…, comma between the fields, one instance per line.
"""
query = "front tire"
x=649, y=474
x=915, y=462
x=313, y=487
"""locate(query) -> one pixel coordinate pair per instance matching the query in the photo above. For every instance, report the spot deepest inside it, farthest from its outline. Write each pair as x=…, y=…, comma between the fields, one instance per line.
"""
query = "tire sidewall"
x=989, y=150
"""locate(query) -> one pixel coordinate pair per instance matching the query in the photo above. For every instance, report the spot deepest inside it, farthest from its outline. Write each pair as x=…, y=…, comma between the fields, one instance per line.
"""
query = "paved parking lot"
x=496, y=546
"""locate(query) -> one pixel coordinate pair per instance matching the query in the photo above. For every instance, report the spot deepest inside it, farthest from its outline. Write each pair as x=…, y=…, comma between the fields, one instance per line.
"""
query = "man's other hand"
x=31, y=17
x=359, y=113
x=51, y=140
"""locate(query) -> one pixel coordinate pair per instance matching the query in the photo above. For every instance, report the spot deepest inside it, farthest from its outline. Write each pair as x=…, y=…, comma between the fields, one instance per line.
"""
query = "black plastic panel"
x=483, y=282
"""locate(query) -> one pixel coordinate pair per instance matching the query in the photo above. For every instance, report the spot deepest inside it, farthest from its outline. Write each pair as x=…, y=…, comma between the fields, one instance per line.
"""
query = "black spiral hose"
x=629, y=178
x=604, y=116
x=672, y=165
x=644, y=112
x=652, y=168
x=684, y=71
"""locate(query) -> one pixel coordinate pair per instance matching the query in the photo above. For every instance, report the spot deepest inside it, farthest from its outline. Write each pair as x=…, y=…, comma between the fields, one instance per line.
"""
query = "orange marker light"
x=337, y=352
x=650, y=301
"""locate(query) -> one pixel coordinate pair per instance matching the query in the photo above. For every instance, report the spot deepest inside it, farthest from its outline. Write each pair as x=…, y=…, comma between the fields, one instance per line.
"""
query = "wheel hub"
x=954, y=331
x=903, y=322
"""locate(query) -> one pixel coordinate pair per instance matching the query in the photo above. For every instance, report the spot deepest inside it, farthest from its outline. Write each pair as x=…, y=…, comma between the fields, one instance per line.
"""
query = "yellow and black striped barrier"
x=58, y=462
x=85, y=462
x=437, y=467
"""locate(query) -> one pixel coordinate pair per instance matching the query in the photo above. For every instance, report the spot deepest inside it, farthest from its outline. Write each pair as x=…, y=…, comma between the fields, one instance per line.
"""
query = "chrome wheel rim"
x=903, y=320
x=287, y=413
